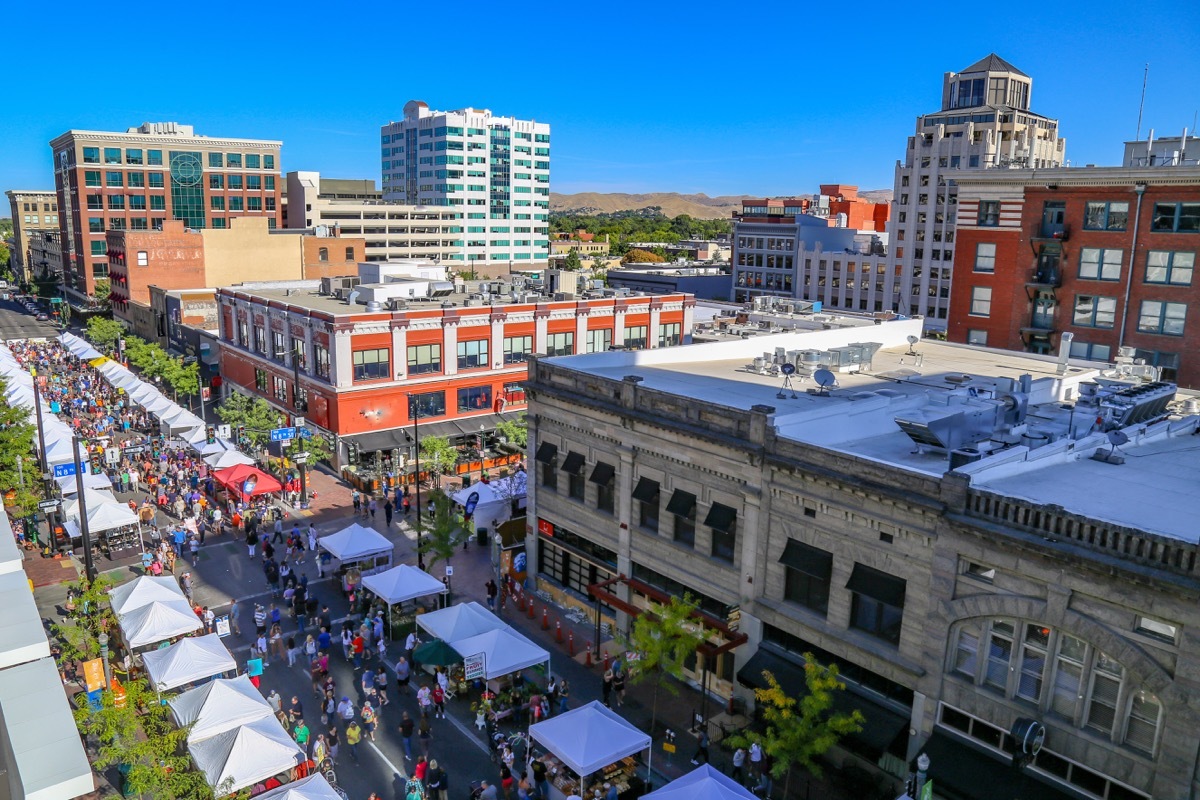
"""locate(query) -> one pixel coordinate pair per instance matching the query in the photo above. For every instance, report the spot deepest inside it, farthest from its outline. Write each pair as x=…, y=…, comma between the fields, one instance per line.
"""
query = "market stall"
x=226, y=459
x=142, y=591
x=244, y=481
x=96, y=482
x=495, y=501
x=119, y=525
x=187, y=661
x=219, y=706
x=314, y=787
x=597, y=745
x=360, y=551
x=702, y=783
x=460, y=621
x=178, y=420
x=400, y=584
x=504, y=652
x=245, y=755
x=157, y=622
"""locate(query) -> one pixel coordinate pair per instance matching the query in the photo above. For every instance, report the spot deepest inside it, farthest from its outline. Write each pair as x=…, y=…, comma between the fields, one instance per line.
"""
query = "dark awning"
x=646, y=490
x=573, y=463
x=807, y=559
x=887, y=589
x=962, y=772
x=881, y=725
x=721, y=517
x=603, y=474
x=382, y=440
x=546, y=453
x=682, y=503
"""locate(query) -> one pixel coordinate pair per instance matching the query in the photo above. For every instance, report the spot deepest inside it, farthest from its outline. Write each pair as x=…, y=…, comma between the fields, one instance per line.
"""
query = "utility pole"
x=414, y=412
x=88, y=565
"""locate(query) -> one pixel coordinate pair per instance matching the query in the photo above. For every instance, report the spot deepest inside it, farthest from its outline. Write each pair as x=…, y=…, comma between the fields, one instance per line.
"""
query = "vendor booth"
x=177, y=420
x=226, y=459
x=360, y=551
x=119, y=525
x=597, y=745
x=400, y=584
x=219, y=706
x=314, y=787
x=461, y=621
x=187, y=661
x=702, y=783
x=157, y=622
x=504, y=652
x=495, y=501
x=96, y=482
x=142, y=591
x=242, y=756
x=244, y=481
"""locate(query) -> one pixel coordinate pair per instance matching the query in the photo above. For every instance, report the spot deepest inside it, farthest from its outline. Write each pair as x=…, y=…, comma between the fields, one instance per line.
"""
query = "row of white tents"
x=471, y=630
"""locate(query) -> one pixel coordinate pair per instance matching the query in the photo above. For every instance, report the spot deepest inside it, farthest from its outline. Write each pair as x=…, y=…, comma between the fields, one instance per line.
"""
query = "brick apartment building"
x=1105, y=254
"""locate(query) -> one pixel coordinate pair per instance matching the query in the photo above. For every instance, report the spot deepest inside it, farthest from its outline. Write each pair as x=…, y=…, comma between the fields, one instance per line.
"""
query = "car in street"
x=43, y=317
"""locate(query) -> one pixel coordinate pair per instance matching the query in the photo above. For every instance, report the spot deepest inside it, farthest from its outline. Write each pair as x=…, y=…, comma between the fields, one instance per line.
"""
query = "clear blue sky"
x=641, y=97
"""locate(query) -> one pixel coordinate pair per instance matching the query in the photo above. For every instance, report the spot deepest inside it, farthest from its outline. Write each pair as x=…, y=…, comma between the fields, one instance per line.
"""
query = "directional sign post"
x=47, y=505
x=303, y=433
x=134, y=449
x=283, y=434
x=224, y=431
x=64, y=470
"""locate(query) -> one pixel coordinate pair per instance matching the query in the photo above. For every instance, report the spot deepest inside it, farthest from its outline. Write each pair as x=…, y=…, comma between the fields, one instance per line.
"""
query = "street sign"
x=473, y=667
x=304, y=433
x=46, y=505
x=222, y=624
x=224, y=431
x=112, y=456
x=64, y=470
x=298, y=422
x=134, y=449
x=301, y=458
x=282, y=434
x=449, y=571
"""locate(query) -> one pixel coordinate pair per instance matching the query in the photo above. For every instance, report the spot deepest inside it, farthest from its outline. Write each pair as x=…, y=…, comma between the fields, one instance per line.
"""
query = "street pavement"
x=17, y=323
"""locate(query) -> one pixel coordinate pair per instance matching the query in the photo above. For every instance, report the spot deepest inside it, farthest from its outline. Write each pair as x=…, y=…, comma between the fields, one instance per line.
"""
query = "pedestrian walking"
x=756, y=757
x=372, y=506
x=387, y=513
x=492, y=591
x=424, y=700
x=425, y=735
x=260, y=619
x=295, y=709
x=278, y=528
x=334, y=743
x=368, y=719
x=302, y=735
x=292, y=651
x=403, y=674
x=275, y=701
x=435, y=780
x=312, y=539
x=356, y=498
x=406, y=731
x=564, y=691
x=347, y=641
x=185, y=583
x=701, y=748
x=439, y=702
x=381, y=686
x=353, y=737
x=739, y=762
x=194, y=548
x=619, y=687
x=606, y=688
x=346, y=710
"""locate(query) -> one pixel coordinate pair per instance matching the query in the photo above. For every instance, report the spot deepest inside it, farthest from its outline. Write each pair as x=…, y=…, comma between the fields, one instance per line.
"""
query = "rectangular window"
x=137, y=202
x=154, y=158
x=1176, y=218
x=1171, y=267
x=560, y=344
x=92, y=177
x=966, y=652
x=517, y=349
x=682, y=506
x=635, y=337
x=216, y=181
x=254, y=182
x=427, y=404
x=279, y=388
x=112, y=155
x=1160, y=317
x=647, y=494
x=599, y=341
x=547, y=457
x=573, y=465
x=370, y=365
x=1106, y=689
x=156, y=180
x=877, y=603
x=1163, y=631
x=424, y=358
x=989, y=213
x=235, y=204
x=985, y=257
x=321, y=360
x=981, y=301
x=99, y=248
x=1094, y=312
x=233, y=160
x=95, y=202
x=137, y=179
x=254, y=204
x=114, y=180
x=260, y=339
x=1090, y=352
x=604, y=476
x=91, y=155
x=95, y=224
x=473, y=354
x=977, y=337
x=278, y=346
x=116, y=202
x=807, y=572
x=474, y=398
x=268, y=162
x=670, y=334
x=260, y=379
x=999, y=654
x=1033, y=663
x=1100, y=264
x=235, y=181
x=216, y=202
x=158, y=202
x=215, y=160
x=1100, y=216
x=252, y=161
x=722, y=524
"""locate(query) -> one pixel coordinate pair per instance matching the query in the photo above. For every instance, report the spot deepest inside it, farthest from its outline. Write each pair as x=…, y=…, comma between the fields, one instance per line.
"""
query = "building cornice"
x=1083, y=176
x=146, y=138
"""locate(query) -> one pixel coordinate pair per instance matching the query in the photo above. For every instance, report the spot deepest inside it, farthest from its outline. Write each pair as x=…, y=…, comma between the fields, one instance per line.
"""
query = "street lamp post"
x=103, y=640
x=415, y=413
x=42, y=462
x=88, y=564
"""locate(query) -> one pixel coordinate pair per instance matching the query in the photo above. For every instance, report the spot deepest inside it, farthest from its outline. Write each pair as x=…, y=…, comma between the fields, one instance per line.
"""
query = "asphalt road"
x=17, y=323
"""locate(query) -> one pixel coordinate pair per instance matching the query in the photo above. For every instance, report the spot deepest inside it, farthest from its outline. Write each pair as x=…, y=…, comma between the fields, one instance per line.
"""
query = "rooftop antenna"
x=788, y=371
x=824, y=379
x=912, y=343
x=1142, y=104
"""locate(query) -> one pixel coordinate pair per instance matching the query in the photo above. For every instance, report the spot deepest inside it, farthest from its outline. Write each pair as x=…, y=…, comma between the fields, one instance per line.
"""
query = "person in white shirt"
x=345, y=709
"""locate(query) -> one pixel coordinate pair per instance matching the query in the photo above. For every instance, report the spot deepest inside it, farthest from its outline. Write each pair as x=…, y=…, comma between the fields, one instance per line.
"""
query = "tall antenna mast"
x=1142, y=104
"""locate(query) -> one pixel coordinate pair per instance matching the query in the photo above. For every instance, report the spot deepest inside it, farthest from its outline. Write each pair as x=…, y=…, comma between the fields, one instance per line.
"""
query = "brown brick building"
x=1105, y=254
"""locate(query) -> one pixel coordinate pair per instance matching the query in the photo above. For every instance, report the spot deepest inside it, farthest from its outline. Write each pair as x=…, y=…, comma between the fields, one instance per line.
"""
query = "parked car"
x=43, y=317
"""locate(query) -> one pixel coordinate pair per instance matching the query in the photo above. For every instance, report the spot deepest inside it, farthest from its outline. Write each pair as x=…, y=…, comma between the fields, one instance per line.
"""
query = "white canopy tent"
x=156, y=404
x=358, y=544
x=95, y=482
x=59, y=451
x=22, y=637
x=227, y=458
x=142, y=591
x=80, y=348
x=702, y=783
x=589, y=738
x=402, y=583
x=504, y=652
x=124, y=380
x=178, y=420
x=158, y=621
x=459, y=622
x=102, y=515
x=218, y=706
x=314, y=787
x=494, y=504
x=243, y=756
x=187, y=661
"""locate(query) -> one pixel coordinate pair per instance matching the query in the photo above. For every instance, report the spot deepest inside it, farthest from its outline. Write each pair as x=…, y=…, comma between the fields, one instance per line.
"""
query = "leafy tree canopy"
x=19, y=469
x=444, y=532
x=664, y=639
x=515, y=431
x=438, y=456
x=636, y=256
x=104, y=332
x=255, y=414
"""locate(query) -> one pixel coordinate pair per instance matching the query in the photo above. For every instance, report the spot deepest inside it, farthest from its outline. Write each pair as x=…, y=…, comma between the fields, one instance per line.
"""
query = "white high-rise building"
x=984, y=123
x=494, y=171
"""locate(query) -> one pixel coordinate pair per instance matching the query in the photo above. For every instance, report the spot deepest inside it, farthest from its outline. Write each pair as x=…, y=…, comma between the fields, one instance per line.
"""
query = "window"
x=474, y=398
x=116, y=202
x=243, y=337
x=143, y=258
x=215, y=160
x=424, y=358
x=722, y=522
x=91, y=155
x=154, y=158
x=1100, y=264
x=252, y=161
x=635, y=337
x=278, y=346
x=980, y=572
x=349, y=252
x=966, y=652
x=560, y=344
x=235, y=181
x=670, y=334
x=473, y=354
x=158, y=203
x=323, y=254
x=1176, y=217
x=216, y=203
x=1160, y=317
x=91, y=177
x=114, y=179
x=547, y=457
x=1106, y=689
x=1099, y=216
x=1167, y=363
x=1095, y=312
x=427, y=404
x=877, y=603
x=371, y=365
x=604, y=476
x=156, y=180
x=646, y=493
x=268, y=162
x=985, y=257
x=233, y=160
x=517, y=349
x=236, y=203
x=1144, y=714
x=1172, y=267
x=1163, y=631
x=599, y=341
x=112, y=155
x=279, y=388
x=807, y=570
x=989, y=213
x=981, y=301
x=573, y=466
x=977, y=337
x=321, y=360
x=1090, y=352
x=99, y=249
x=137, y=179
x=682, y=506
x=216, y=181
x=260, y=379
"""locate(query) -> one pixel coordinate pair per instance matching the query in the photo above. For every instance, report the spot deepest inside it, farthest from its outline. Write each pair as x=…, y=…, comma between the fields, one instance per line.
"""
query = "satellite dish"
x=1117, y=438
x=824, y=378
x=912, y=345
x=913, y=339
x=788, y=369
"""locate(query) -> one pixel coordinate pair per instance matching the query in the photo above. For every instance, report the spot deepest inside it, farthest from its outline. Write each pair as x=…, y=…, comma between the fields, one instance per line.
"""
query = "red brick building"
x=1107, y=254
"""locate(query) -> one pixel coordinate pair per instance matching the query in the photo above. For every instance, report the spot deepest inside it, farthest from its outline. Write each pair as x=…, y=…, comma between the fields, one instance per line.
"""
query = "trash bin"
x=466, y=481
x=481, y=537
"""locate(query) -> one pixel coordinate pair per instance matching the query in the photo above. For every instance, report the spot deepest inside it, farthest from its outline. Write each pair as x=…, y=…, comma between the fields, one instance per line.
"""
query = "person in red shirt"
x=358, y=644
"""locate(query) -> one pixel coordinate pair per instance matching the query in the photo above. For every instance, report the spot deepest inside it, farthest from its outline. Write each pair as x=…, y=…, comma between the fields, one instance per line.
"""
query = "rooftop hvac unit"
x=441, y=289
x=1136, y=404
x=949, y=428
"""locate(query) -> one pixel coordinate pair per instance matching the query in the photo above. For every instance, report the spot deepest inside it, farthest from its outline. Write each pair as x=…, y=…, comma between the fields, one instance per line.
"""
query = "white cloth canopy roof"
x=459, y=622
x=218, y=706
x=112, y=369
x=187, y=661
x=589, y=737
x=92, y=497
x=499, y=490
x=355, y=542
x=314, y=787
x=156, y=403
x=124, y=379
x=227, y=458
x=22, y=637
x=104, y=513
x=59, y=450
x=178, y=419
x=142, y=591
x=245, y=755
x=403, y=583
x=504, y=651
x=702, y=783
x=91, y=480
x=157, y=622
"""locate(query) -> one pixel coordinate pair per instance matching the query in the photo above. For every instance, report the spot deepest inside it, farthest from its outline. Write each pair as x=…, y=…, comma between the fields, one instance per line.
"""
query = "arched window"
x=323, y=254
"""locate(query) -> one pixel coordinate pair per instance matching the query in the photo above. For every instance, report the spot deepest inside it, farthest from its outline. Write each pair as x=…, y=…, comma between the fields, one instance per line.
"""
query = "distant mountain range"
x=700, y=206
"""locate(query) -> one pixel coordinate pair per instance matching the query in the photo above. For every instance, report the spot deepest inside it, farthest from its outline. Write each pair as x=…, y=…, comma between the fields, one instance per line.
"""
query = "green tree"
x=664, y=639
x=19, y=468
x=438, y=457
x=104, y=332
x=79, y=635
x=101, y=289
x=184, y=379
x=572, y=262
x=255, y=414
x=514, y=431
x=797, y=732
x=444, y=532
x=317, y=447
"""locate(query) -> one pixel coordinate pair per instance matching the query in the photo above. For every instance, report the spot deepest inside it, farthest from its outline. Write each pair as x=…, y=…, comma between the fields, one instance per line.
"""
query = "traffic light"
x=210, y=434
x=241, y=434
x=352, y=452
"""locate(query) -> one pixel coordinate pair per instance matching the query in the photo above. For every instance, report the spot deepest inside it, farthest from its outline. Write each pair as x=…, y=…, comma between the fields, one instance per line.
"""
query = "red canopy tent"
x=247, y=481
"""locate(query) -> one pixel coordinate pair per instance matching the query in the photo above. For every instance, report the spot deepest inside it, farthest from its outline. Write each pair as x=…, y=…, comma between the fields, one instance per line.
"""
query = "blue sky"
x=640, y=96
